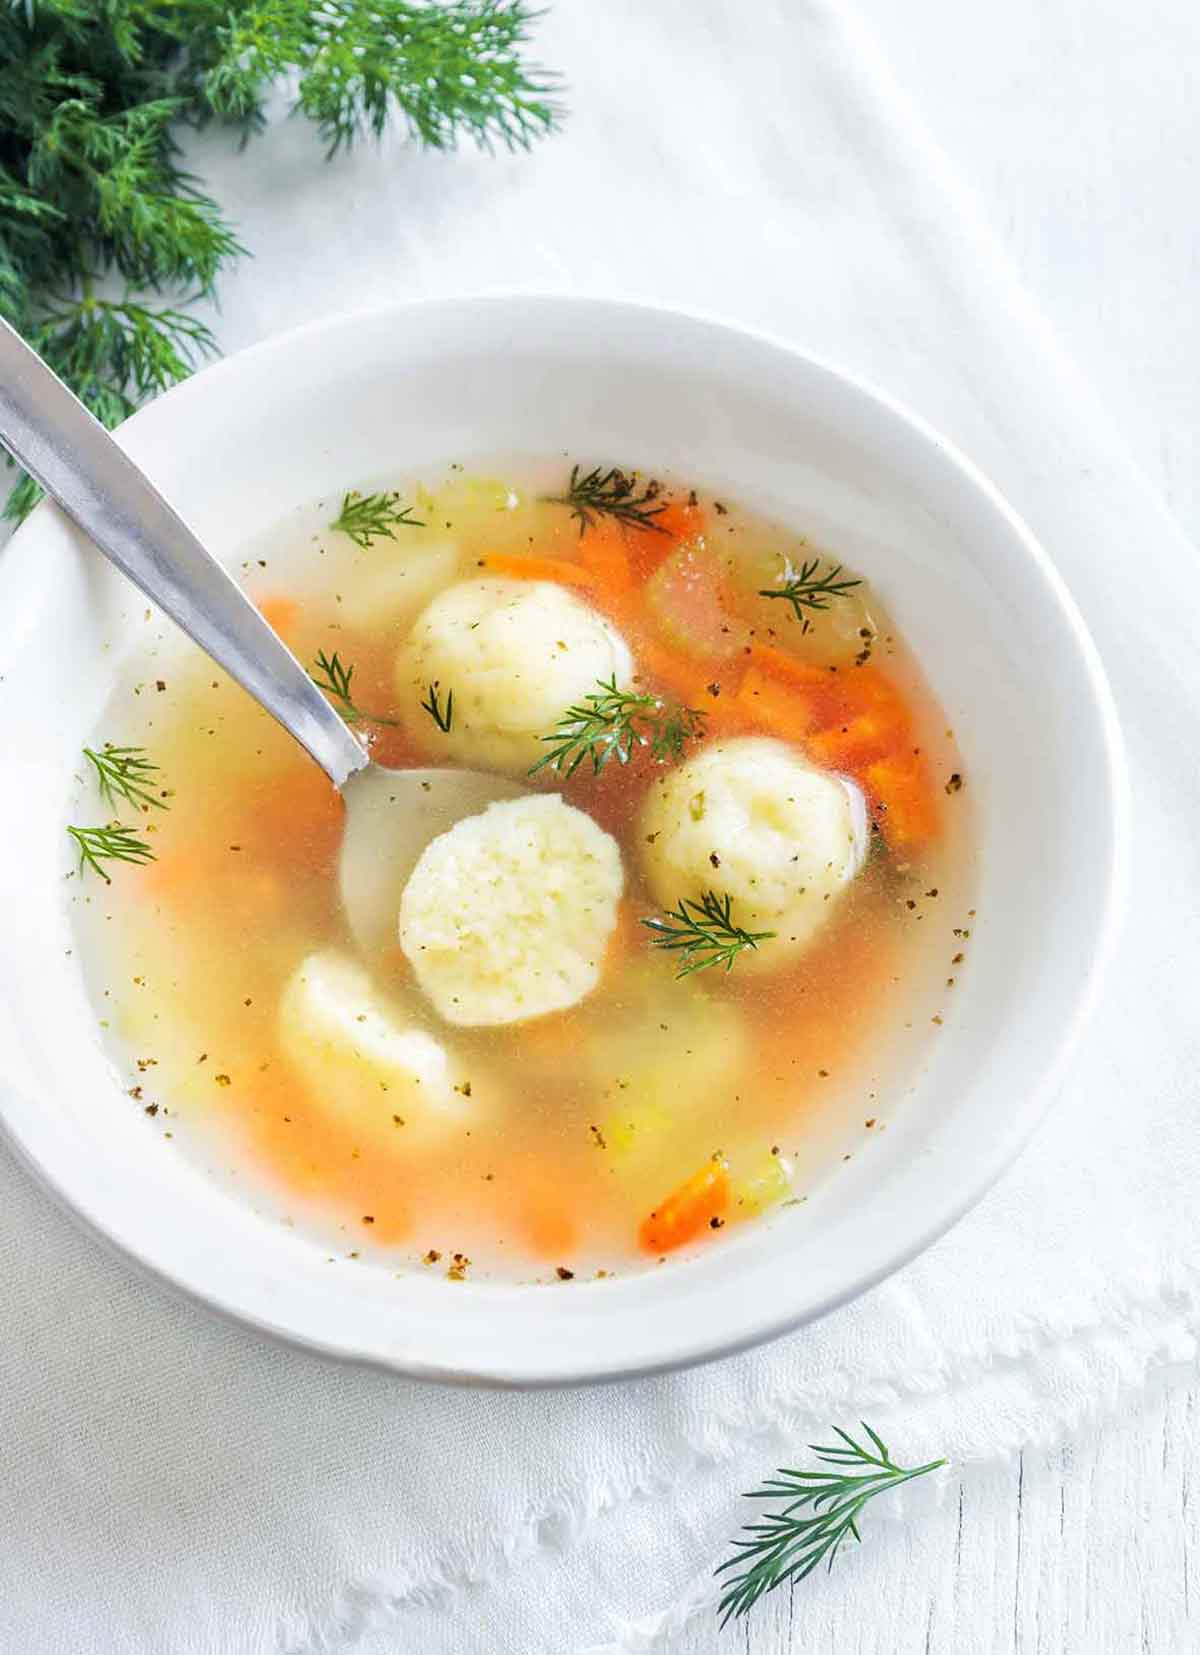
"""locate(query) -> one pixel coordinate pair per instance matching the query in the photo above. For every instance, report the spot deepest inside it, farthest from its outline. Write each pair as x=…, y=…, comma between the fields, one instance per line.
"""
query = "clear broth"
x=610, y=1105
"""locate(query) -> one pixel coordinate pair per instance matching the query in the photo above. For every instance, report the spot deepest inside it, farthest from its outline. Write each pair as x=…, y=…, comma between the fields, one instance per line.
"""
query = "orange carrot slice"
x=293, y=819
x=553, y=569
x=680, y=520
x=603, y=555
x=781, y=709
x=791, y=670
x=902, y=792
x=686, y=679
x=674, y=523
x=280, y=614
x=868, y=736
x=688, y=1210
x=544, y=1215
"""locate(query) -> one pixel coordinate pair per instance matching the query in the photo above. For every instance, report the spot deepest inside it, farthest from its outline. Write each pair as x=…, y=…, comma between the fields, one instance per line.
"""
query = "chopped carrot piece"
x=688, y=1210
x=866, y=688
x=677, y=521
x=690, y=683
x=187, y=875
x=681, y=520
x=289, y=817
x=902, y=792
x=291, y=820
x=319, y=1158
x=545, y=1218
x=553, y=569
x=780, y=664
x=280, y=615
x=869, y=736
x=604, y=555
x=784, y=710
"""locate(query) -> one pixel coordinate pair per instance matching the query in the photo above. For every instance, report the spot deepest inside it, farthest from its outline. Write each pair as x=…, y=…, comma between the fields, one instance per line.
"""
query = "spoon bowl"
x=391, y=815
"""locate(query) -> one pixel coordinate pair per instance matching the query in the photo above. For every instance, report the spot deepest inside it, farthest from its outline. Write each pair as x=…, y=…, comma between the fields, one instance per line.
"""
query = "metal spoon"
x=391, y=815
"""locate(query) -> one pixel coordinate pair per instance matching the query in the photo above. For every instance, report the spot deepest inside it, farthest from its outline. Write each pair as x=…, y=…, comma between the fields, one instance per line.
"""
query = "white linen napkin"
x=173, y=1484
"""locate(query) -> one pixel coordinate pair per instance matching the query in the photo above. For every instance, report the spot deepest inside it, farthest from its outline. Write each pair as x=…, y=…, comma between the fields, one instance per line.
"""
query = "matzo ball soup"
x=671, y=988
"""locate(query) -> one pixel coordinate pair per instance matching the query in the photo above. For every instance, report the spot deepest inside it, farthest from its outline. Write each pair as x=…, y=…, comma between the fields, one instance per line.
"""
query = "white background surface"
x=1073, y=123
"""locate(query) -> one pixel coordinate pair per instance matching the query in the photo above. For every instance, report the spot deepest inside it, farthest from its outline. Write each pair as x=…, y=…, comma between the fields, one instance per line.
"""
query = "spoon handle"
x=51, y=433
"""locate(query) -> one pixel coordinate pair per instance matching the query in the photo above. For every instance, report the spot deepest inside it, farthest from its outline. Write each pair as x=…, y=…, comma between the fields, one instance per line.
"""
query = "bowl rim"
x=988, y=1166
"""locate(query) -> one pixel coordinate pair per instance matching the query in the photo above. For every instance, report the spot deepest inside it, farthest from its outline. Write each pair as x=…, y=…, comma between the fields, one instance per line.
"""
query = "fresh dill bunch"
x=112, y=843
x=335, y=677
x=368, y=517
x=822, y=1508
x=126, y=773
x=103, y=234
x=610, y=493
x=441, y=712
x=704, y=932
x=809, y=588
x=610, y=723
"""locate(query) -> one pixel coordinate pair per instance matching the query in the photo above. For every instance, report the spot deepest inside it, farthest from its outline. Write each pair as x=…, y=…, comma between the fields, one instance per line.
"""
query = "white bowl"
x=360, y=398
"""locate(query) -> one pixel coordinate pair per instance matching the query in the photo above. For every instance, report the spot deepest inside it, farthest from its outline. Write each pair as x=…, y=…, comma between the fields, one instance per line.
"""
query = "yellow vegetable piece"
x=760, y=1183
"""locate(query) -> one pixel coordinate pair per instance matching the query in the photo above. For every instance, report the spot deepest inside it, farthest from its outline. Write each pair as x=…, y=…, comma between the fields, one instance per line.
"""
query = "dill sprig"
x=126, y=773
x=809, y=588
x=368, y=517
x=331, y=674
x=441, y=712
x=112, y=843
x=93, y=96
x=704, y=933
x=823, y=1508
x=610, y=723
x=611, y=493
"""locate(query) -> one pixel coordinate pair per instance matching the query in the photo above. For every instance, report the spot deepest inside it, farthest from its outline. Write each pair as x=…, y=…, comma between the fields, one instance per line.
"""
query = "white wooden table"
x=1089, y=1548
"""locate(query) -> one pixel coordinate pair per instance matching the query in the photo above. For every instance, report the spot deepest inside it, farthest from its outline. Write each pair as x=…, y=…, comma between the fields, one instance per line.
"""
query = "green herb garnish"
x=368, y=517
x=113, y=843
x=442, y=713
x=92, y=190
x=331, y=675
x=611, y=493
x=610, y=723
x=704, y=933
x=823, y=1508
x=810, y=589
x=126, y=773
